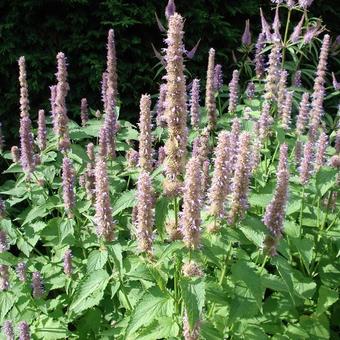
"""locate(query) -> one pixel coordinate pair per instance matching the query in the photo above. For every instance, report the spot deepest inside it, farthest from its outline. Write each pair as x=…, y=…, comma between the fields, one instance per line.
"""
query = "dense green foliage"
x=237, y=288
x=40, y=29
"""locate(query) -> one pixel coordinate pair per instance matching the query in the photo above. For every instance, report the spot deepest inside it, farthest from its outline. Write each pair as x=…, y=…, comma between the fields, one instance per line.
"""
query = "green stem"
x=285, y=38
x=302, y=206
x=176, y=211
x=264, y=263
x=124, y=293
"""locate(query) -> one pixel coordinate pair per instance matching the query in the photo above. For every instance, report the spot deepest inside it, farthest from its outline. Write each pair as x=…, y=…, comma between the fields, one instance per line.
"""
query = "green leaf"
x=209, y=332
x=325, y=179
x=243, y=272
x=90, y=291
x=96, y=260
x=8, y=259
x=254, y=230
x=7, y=300
x=153, y=305
x=126, y=200
x=163, y=328
x=116, y=253
x=51, y=329
x=327, y=297
x=193, y=293
x=305, y=249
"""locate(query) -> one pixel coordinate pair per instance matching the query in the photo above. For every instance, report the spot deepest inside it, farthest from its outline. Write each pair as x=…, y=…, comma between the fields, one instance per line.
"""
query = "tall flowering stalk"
x=42, y=132
x=145, y=138
x=176, y=110
x=240, y=182
x=84, y=111
x=21, y=270
x=60, y=103
x=24, y=101
x=104, y=86
x=145, y=213
x=275, y=211
x=259, y=56
x=195, y=104
x=234, y=141
x=282, y=91
x=110, y=125
x=37, y=285
x=210, y=101
x=218, y=77
x=53, y=98
x=103, y=218
x=265, y=122
x=191, y=214
x=112, y=65
x=220, y=184
x=296, y=35
x=321, y=147
x=27, y=159
x=303, y=116
x=246, y=36
x=306, y=168
x=296, y=81
x=265, y=27
x=68, y=179
x=233, y=92
x=273, y=73
x=287, y=110
x=319, y=87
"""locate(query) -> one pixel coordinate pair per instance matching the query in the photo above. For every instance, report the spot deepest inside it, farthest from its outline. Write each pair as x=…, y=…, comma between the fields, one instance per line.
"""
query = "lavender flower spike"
x=145, y=213
x=84, y=111
x=305, y=3
x=297, y=79
x=265, y=122
x=240, y=182
x=176, y=108
x=195, y=104
x=276, y=25
x=250, y=91
x=2, y=208
x=15, y=152
x=42, y=132
x=24, y=102
x=24, y=331
x=37, y=285
x=111, y=67
x=191, y=214
x=4, y=246
x=273, y=75
x=8, y=331
x=275, y=211
x=145, y=138
x=218, y=77
x=68, y=262
x=336, y=84
x=287, y=110
x=303, y=116
x=296, y=35
x=21, y=271
x=220, y=185
x=26, y=145
x=321, y=146
x=4, y=277
x=68, y=179
x=104, y=90
x=210, y=101
x=104, y=221
x=233, y=92
x=246, y=37
x=160, y=118
x=259, y=56
x=282, y=91
x=306, y=167
x=170, y=9
x=265, y=27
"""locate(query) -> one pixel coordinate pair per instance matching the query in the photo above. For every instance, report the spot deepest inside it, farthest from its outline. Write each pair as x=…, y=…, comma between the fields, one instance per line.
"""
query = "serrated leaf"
x=305, y=249
x=90, y=291
x=96, y=260
x=325, y=179
x=153, y=305
x=193, y=294
x=7, y=300
x=126, y=200
x=327, y=297
x=241, y=271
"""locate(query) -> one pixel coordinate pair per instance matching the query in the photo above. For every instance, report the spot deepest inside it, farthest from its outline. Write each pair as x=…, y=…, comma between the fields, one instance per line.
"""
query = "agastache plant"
x=233, y=92
x=42, y=131
x=246, y=36
x=176, y=108
x=24, y=101
x=195, y=104
x=84, y=111
x=218, y=77
x=210, y=101
x=24, y=331
x=37, y=285
x=7, y=329
x=68, y=179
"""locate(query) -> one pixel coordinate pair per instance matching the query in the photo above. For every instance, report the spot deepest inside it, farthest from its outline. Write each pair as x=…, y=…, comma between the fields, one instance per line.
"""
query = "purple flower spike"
x=68, y=179
x=336, y=84
x=259, y=57
x=233, y=92
x=170, y=9
x=195, y=103
x=250, y=91
x=84, y=112
x=42, y=132
x=218, y=77
x=306, y=168
x=8, y=331
x=4, y=277
x=68, y=262
x=4, y=246
x=305, y=3
x=246, y=37
x=21, y=271
x=26, y=145
x=37, y=285
x=296, y=35
x=24, y=331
